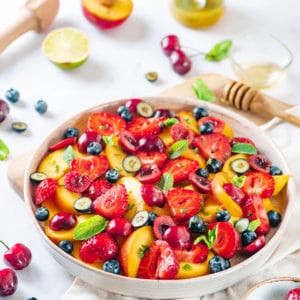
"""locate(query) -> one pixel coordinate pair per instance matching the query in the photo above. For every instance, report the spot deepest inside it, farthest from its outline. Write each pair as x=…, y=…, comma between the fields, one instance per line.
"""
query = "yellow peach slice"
x=166, y=137
x=227, y=131
x=65, y=199
x=280, y=182
x=191, y=154
x=187, y=118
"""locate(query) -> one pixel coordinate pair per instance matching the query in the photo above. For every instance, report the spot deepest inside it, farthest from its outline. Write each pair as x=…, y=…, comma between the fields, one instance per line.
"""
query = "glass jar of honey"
x=197, y=13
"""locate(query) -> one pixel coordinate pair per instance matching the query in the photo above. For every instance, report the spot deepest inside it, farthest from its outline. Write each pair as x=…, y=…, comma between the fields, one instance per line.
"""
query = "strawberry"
x=140, y=126
x=63, y=143
x=183, y=203
x=213, y=145
x=45, y=190
x=258, y=183
x=106, y=123
x=218, y=124
x=159, y=262
x=156, y=157
x=148, y=173
x=179, y=132
x=97, y=188
x=254, y=246
x=227, y=239
x=113, y=203
x=92, y=166
x=242, y=140
x=99, y=248
x=197, y=254
x=293, y=294
x=254, y=209
x=76, y=182
x=180, y=168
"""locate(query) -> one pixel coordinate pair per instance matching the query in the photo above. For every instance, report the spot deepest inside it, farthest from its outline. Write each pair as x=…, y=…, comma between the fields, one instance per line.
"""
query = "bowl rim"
x=164, y=284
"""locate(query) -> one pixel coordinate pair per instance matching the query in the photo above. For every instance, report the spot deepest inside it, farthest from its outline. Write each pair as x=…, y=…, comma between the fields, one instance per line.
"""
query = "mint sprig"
x=166, y=182
x=238, y=180
x=210, y=239
x=4, y=150
x=202, y=91
x=68, y=155
x=178, y=148
x=219, y=51
x=253, y=225
x=244, y=148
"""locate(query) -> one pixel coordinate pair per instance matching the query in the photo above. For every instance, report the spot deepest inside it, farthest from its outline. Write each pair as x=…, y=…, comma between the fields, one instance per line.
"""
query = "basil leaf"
x=243, y=148
x=253, y=225
x=219, y=51
x=4, y=150
x=238, y=181
x=68, y=154
x=178, y=148
x=202, y=91
x=170, y=121
x=166, y=182
x=89, y=228
x=210, y=239
x=108, y=140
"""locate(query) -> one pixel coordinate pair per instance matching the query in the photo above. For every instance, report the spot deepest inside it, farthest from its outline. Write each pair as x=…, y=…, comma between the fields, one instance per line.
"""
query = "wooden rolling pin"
x=32, y=15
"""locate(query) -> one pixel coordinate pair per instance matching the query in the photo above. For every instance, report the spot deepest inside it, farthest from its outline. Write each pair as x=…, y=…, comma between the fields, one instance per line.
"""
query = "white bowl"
x=166, y=289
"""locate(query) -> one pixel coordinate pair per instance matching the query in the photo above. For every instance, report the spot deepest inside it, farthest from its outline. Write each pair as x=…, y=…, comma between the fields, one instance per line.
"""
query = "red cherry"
x=152, y=195
x=8, y=282
x=178, y=237
x=235, y=193
x=170, y=43
x=62, y=221
x=119, y=227
x=86, y=138
x=4, y=110
x=181, y=63
x=18, y=256
x=128, y=142
x=132, y=103
x=151, y=143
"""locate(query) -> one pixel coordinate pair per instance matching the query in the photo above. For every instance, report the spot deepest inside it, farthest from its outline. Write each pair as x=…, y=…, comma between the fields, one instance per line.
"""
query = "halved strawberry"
x=254, y=209
x=258, y=183
x=153, y=157
x=213, y=145
x=180, y=168
x=97, y=188
x=140, y=126
x=106, y=123
x=227, y=239
x=218, y=124
x=92, y=166
x=197, y=254
x=45, y=190
x=63, y=143
x=99, y=248
x=76, y=182
x=254, y=246
x=179, y=132
x=183, y=203
x=113, y=203
x=159, y=262
x=148, y=173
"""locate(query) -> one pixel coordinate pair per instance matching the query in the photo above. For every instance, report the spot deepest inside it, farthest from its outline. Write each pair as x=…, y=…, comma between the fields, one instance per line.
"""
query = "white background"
x=118, y=60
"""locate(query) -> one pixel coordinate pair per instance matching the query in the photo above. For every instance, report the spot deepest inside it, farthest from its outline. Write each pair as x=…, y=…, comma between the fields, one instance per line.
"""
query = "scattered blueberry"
x=71, y=132
x=41, y=106
x=248, y=237
x=218, y=263
x=206, y=128
x=202, y=172
x=274, y=170
x=112, y=266
x=94, y=148
x=214, y=165
x=200, y=112
x=42, y=213
x=223, y=216
x=274, y=218
x=12, y=95
x=152, y=215
x=32, y=298
x=112, y=175
x=66, y=246
x=196, y=225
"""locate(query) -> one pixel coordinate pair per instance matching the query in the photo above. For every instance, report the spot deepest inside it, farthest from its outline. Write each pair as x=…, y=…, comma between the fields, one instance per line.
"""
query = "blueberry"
x=32, y=298
x=112, y=175
x=218, y=263
x=94, y=148
x=66, y=246
x=274, y=170
x=41, y=106
x=121, y=109
x=214, y=165
x=223, y=216
x=241, y=225
x=112, y=266
x=12, y=95
x=127, y=115
x=202, y=172
x=248, y=237
x=152, y=215
x=206, y=128
x=196, y=225
x=200, y=112
x=274, y=218
x=71, y=132
x=42, y=213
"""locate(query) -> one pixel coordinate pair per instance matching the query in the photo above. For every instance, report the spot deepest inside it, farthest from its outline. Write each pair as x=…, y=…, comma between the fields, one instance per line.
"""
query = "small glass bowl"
x=260, y=60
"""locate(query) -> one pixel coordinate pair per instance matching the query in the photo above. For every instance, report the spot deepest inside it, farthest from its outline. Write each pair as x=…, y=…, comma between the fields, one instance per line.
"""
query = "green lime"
x=66, y=47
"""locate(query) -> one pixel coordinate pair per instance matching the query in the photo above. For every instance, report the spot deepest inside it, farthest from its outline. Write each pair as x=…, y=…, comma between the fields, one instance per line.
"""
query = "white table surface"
x=118, y=60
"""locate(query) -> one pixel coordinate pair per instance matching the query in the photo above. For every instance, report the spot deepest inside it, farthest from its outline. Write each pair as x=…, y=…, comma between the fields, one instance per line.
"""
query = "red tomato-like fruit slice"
x=197, y=254
x=217, y=123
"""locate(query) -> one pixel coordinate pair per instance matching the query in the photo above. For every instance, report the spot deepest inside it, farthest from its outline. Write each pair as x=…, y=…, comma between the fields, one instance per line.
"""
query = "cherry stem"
x=196, y=50
x=4, y=244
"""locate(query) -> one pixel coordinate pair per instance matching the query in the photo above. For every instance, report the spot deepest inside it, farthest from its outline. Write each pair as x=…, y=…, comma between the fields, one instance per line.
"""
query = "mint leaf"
x=238, y=181
x=178, y=148
x=170, y=121
x=68, y=154
x=142, y=251
x=202, y=91
x=210, y=239
x=219, y=51
x=89, y=228
x=166, y=181
x=243, y=148
x=108, y=140
x=4, y=150
x=253, y=225
x=187, y=267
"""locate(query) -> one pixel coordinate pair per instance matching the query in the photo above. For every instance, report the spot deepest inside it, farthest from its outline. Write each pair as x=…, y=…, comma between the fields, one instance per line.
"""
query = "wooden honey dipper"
x=244, y=97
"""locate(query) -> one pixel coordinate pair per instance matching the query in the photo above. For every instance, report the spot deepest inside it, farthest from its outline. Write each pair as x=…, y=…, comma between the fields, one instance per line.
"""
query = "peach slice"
x=107, y=14
x=187, y=118
x=65, y=199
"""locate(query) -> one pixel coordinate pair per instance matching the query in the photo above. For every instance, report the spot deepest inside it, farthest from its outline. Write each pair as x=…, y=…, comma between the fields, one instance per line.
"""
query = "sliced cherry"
x=164, y=112
x=254, y=246
x=170, y=43
x=151, y=143
x=260, y=163
x=86, y=138
x=128, y=142
x=148, y=173
x=178, y=237
x=160, y=224
x=181, y=63
x=235, y=193
x=200, y=182
x=152, y=195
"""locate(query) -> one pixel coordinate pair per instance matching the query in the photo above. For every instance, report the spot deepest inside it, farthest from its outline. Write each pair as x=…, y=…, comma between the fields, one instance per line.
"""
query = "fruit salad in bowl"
x=167, y=197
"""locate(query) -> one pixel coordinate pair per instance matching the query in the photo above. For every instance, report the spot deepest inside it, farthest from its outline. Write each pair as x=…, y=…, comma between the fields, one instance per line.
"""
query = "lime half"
x=66, y=47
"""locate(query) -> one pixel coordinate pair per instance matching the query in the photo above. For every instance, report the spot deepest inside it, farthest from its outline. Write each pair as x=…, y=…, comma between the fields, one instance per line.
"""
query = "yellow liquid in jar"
x=197, y=14
x=261, y=75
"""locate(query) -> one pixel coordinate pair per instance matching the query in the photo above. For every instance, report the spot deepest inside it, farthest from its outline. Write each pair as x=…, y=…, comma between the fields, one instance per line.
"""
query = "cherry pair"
x=18, y=257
